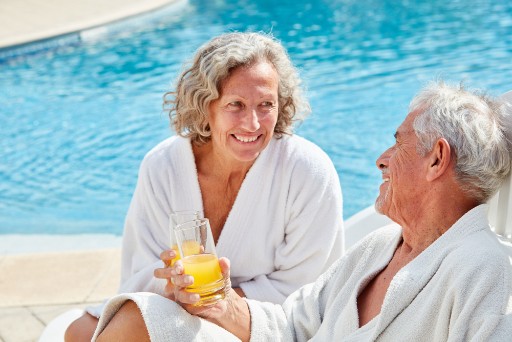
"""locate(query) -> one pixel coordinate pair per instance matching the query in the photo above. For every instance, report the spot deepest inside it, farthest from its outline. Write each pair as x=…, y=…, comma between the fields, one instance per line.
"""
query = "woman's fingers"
x=225, y=266
x=167, y=272
x=178, y=281
x=169, y=291
x=167, y=256
x=183, y=297
x=182, y=281
x=162, y=273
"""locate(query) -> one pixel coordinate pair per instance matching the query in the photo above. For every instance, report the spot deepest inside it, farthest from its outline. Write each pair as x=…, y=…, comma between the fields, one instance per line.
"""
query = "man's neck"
x=433, y=221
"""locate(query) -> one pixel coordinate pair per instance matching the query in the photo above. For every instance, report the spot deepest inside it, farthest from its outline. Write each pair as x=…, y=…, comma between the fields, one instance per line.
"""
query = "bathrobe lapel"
x=246, y=202
x=187, y=193
x=411, y=279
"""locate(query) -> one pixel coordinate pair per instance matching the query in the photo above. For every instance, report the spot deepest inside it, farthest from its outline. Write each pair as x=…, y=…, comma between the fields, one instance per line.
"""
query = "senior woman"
x=273, y=199
x=438, y=274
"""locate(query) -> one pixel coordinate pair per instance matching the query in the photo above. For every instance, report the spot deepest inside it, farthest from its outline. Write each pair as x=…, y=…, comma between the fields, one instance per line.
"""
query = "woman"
x=273, y=199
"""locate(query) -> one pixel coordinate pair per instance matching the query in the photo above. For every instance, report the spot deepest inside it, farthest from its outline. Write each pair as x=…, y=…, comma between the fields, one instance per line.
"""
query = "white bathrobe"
x=458, y=289
x=285, y=222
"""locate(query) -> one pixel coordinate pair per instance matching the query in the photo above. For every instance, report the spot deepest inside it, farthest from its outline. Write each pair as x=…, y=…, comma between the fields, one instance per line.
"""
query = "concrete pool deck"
x=31, y=20
x=37, y=285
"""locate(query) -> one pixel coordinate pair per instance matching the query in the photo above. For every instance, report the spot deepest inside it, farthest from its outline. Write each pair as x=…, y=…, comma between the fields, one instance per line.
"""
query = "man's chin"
x=377, y=209
x=379, y=206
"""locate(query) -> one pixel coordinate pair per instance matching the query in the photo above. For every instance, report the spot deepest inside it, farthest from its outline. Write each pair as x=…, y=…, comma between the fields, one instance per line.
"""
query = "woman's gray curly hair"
x=474, y=125
x=200, y=84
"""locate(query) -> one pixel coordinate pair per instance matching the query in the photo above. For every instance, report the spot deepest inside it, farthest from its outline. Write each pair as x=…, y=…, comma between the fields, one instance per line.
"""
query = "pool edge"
x=74, y=28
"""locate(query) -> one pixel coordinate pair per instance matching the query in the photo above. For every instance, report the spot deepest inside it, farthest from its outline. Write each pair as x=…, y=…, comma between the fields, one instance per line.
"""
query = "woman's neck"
x=210, y=163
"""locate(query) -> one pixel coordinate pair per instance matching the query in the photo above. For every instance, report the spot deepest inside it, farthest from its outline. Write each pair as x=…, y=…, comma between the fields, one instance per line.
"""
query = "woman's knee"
x=81, y=329
x=126, y=325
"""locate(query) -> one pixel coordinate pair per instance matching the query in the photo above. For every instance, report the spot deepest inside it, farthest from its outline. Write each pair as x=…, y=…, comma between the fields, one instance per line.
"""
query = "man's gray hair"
x=474, y=126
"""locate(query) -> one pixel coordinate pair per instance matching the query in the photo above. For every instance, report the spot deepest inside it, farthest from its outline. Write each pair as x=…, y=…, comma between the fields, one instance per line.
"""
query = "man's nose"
x=382, y=161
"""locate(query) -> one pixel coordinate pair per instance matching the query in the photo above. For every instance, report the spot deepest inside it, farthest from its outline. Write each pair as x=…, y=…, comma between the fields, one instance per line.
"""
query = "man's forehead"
x=406, y=126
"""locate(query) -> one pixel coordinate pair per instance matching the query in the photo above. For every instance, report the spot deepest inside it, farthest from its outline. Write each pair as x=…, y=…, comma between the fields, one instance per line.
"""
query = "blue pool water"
x=76, y=120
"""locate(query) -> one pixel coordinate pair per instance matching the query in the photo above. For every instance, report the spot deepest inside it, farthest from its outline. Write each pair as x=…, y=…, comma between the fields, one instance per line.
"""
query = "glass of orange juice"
x=176, y=218
x=197, y=250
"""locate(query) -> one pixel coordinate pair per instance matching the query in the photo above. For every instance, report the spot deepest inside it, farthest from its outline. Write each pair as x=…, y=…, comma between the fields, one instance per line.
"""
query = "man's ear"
x=439, y=159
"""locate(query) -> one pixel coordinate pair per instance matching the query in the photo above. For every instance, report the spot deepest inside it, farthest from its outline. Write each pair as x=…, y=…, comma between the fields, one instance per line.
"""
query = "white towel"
x=165, y=320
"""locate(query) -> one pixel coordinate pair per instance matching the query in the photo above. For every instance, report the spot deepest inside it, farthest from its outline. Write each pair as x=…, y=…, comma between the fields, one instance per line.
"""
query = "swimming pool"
x=76, y=120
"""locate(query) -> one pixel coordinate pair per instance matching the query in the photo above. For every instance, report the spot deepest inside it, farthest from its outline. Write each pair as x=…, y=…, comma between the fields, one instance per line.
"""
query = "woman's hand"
x=167, y=258
x=180, y=281
x=231, y=313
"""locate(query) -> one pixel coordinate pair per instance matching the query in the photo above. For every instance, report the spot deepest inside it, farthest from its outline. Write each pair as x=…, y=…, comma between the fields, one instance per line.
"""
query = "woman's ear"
x=439, y=159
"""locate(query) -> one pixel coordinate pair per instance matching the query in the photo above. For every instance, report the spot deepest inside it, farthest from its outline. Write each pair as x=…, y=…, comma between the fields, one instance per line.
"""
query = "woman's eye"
x=267, y=104
x=235, y=104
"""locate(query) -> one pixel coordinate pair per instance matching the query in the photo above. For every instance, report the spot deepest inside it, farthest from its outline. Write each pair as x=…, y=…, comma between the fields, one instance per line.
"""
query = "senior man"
x=438, y=274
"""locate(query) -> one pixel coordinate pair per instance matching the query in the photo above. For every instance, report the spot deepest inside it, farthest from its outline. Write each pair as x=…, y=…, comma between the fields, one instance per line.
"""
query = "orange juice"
x=203, y=267
x=197, y=247
x=189, y=247
x=208, y=280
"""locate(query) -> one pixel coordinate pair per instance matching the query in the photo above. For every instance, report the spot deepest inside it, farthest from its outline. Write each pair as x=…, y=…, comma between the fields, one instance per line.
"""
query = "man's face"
x=403, y=173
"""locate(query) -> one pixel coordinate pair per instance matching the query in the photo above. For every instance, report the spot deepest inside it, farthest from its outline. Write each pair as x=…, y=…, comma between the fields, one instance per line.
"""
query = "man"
x=438, y=274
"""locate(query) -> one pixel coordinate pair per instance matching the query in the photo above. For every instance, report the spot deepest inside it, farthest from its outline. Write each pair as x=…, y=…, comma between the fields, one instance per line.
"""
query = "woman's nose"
x=251, y=120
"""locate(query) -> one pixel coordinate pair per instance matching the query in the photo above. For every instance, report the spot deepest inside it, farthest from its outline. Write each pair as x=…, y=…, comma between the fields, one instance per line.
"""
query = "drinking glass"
x=176, y=218
x=197, y=249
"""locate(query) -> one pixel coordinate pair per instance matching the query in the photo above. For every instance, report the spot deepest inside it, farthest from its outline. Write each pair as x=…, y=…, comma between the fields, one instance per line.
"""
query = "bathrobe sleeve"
x=166, y=182
x=305, y=312
x=142, y=243
x=480, y=293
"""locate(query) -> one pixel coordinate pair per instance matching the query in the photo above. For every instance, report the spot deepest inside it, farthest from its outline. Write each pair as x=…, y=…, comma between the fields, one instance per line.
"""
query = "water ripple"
x=77, y=119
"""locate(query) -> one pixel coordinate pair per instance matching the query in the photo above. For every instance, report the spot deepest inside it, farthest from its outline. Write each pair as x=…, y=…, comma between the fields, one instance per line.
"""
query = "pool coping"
x=78, y=16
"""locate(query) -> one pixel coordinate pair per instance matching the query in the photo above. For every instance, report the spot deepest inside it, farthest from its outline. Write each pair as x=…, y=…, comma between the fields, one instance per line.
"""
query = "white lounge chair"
x=54, y=331
x=500, y=206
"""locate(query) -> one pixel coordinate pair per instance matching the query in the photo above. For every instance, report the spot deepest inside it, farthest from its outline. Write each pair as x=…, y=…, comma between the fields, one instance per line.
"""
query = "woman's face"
x=243, y=118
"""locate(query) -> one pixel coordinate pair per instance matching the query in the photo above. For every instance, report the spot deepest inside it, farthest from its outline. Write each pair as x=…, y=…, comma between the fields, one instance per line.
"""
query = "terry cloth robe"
x=285, y=222
x=458, y=289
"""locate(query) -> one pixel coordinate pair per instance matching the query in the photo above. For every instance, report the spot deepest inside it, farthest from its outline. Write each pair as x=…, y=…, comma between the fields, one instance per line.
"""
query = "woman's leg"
x=81, y=329
x=126, y=325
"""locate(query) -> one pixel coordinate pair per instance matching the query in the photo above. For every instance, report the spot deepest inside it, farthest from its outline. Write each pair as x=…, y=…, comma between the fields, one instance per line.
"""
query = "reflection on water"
x=77, y=120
